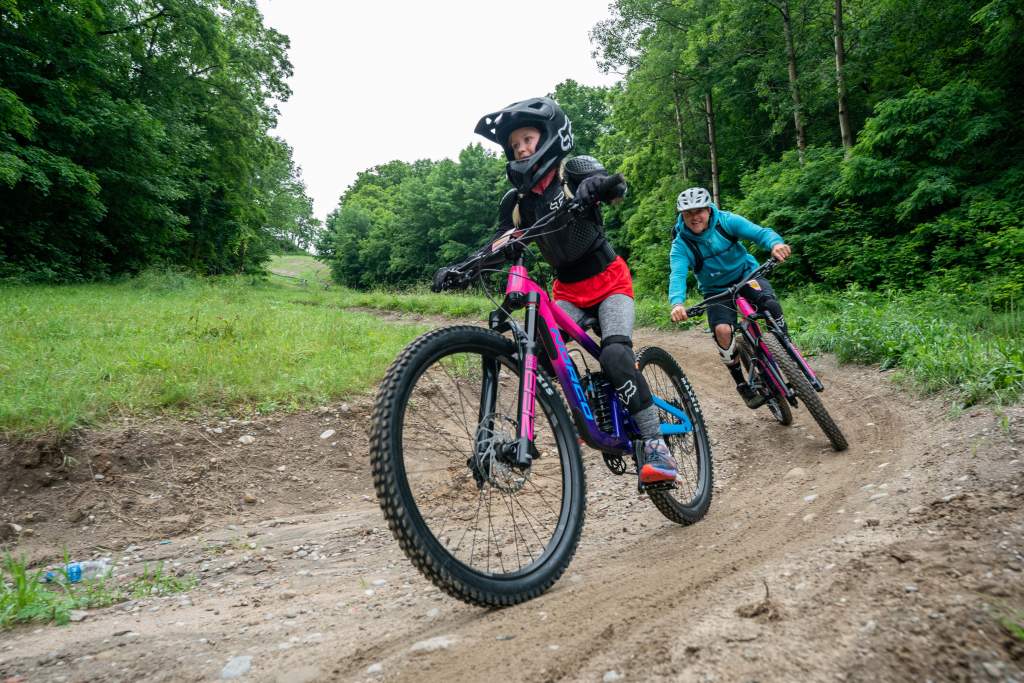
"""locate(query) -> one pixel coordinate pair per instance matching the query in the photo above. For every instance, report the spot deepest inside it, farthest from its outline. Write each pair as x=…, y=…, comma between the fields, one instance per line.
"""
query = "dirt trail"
x=896, y=560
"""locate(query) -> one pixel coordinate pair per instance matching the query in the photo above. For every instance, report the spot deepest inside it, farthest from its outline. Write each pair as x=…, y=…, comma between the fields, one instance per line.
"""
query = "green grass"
x=83, y=354
x=1014, y=626
x=300, y=269
x=165, y=342
x=940, y=340
x=420, y=301
x=156, y=582
x=24, y=597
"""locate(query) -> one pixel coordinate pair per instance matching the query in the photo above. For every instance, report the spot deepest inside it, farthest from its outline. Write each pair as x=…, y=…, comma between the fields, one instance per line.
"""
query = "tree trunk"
x=844, y=118
x=709, y=111
x=679, y=131
x=787, y=28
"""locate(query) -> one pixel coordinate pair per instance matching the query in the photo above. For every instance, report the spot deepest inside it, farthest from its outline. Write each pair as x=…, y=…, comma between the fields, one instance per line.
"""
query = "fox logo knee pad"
x=619, y=364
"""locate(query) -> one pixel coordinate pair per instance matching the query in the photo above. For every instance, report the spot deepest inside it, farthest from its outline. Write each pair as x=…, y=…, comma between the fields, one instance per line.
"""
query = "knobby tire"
x=689, y=502
x=430, y=553
x=806, y=393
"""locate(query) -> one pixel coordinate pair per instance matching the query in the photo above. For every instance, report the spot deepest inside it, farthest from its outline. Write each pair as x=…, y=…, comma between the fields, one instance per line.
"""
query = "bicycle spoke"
x=518, y=514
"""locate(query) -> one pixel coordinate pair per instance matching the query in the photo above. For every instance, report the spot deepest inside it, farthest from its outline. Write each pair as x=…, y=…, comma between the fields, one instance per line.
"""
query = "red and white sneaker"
x=659, y=465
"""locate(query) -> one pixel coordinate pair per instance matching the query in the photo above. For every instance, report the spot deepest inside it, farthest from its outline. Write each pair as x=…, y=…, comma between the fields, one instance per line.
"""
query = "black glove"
x=587, y=190
x=441, y=279
x=600, y=188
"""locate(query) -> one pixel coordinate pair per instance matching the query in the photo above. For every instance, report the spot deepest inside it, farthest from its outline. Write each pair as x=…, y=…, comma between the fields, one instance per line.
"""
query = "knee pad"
x=728, y=354
x=619, y=365
x=617, y=358
x=774, y=309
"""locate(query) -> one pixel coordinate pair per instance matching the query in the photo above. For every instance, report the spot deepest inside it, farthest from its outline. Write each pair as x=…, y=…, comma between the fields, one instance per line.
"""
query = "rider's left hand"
x=586, y=191
x=780, y=252
x=590, y=190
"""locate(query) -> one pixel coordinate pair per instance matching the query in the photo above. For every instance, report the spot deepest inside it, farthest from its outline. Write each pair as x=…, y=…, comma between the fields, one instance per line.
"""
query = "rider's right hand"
x=679, y=313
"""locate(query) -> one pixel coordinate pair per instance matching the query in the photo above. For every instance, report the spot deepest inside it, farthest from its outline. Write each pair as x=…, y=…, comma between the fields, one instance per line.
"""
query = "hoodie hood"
x=712, y=220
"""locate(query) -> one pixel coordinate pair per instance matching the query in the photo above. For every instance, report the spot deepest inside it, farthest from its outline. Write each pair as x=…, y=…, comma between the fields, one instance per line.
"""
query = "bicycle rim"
x=482, y=530
x=689, y=501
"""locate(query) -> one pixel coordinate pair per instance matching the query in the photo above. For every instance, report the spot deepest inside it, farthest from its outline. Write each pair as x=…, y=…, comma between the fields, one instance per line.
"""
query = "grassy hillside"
x=299, y=269
x=76, y=355
x=81, y=354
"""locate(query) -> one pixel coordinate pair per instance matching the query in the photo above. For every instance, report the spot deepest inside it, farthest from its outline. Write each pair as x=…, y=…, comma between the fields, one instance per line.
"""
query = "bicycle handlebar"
x=701, y=308
x=462, y=274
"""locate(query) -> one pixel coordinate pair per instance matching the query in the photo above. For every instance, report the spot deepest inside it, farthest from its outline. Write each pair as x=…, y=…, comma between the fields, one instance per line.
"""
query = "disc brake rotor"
x=494, y=436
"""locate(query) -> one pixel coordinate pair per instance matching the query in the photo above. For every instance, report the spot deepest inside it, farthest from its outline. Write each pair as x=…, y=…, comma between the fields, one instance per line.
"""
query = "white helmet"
x=693, y=198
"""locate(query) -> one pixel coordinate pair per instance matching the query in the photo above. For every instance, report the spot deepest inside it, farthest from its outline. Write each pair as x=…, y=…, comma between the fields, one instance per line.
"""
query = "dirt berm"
x=898, y=560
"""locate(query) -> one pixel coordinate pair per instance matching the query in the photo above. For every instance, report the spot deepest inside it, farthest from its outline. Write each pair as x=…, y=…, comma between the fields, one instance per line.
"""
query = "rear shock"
x=598, y=389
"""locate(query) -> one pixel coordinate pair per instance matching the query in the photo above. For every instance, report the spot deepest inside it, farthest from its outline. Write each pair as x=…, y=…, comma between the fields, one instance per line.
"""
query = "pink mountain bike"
x=476, y=461
x=772, y=364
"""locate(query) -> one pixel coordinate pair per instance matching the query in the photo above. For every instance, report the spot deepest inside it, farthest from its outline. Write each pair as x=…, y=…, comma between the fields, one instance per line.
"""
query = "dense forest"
x=883, y=139
x=135, y=133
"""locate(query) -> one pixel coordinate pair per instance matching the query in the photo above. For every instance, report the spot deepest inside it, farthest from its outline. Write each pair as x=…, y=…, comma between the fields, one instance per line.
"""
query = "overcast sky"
x=380, y=80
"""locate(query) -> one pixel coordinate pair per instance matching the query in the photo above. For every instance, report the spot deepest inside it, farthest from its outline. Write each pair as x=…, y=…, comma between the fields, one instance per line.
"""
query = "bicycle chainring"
x=615, y=463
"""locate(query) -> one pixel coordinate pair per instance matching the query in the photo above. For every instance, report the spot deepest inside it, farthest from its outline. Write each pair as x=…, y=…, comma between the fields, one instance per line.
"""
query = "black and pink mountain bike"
x=476, y=460
x=772, y=364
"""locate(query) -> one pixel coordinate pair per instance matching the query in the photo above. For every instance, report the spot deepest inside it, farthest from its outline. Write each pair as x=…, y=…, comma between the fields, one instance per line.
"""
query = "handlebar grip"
x=695, y=312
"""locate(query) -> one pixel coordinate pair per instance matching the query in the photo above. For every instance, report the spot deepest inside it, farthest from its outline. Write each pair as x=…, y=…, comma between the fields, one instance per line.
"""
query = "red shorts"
x=615, y=279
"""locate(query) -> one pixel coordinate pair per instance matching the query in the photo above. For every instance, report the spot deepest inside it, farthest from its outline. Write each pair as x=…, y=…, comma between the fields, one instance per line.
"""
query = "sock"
x=648, y=423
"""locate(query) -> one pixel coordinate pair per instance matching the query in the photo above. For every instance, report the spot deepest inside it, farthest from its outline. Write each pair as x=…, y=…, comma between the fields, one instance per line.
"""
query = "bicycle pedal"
x=657, y=486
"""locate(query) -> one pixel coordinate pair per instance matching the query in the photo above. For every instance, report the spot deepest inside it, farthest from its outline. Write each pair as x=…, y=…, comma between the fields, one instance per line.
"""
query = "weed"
x=156, y=581
x=25, y=597
x=1014, y=626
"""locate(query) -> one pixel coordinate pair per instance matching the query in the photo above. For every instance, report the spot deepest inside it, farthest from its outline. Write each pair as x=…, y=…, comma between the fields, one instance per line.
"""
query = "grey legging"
x=616, y=315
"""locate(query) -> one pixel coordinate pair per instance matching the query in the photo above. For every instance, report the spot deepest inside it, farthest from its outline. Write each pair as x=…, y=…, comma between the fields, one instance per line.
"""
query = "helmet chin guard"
x=555, y=143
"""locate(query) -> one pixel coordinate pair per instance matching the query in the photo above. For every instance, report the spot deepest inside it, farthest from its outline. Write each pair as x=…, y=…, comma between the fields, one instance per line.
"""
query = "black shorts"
x=725, y=313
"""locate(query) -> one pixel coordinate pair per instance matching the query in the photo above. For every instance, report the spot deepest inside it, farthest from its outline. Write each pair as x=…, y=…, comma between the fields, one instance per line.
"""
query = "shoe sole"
x=652, y=475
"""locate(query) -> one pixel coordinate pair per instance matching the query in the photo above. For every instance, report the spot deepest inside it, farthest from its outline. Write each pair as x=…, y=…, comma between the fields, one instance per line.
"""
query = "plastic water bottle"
x=81, y=571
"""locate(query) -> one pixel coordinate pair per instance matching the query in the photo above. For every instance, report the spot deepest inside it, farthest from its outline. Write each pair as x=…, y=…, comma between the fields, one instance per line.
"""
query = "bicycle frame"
x=542, y=313
x=753, y=334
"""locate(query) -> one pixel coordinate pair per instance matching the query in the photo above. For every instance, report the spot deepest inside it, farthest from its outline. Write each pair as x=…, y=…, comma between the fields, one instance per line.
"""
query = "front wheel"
x=689, y=501
x=482, y=530
x=806, y=393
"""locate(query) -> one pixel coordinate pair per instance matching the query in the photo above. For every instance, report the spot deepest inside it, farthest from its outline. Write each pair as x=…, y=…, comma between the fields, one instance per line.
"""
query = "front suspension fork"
x=527, y=404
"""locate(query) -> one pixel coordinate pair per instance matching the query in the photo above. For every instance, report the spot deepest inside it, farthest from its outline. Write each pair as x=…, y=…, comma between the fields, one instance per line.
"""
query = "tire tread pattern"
x=389, y=495
x=663, y=500
x=806, y=393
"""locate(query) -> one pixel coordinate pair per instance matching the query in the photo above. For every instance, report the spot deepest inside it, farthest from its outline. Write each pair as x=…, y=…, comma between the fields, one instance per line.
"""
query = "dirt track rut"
x=896, y=560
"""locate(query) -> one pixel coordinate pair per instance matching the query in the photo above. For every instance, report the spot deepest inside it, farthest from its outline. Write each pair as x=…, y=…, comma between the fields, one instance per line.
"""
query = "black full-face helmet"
x=542, y=113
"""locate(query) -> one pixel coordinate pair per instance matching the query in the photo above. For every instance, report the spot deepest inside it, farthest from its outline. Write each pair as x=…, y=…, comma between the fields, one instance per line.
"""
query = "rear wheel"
x=806, y=393
x=689, y=501
x=778, y=406
x=482, y=530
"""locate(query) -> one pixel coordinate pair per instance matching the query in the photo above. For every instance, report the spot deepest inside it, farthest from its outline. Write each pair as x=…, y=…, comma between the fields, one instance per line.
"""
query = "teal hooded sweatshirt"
x=725, y=262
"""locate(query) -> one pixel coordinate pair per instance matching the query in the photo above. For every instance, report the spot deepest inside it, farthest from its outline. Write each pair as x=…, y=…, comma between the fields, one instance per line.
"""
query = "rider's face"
x=523, y=141
x=697, y=219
